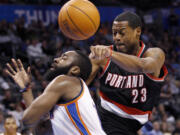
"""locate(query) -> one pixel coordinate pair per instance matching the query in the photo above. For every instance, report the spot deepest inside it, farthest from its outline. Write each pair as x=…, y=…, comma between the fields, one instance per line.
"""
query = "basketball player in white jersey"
x=73, y=110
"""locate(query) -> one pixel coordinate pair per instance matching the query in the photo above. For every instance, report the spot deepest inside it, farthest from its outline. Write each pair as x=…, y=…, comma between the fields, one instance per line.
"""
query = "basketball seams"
x=60, y=21
x=70, y=21
x=75, y=24
x=85, y=14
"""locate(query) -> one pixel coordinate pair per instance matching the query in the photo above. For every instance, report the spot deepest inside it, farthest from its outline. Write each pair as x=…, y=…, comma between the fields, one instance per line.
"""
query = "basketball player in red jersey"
x=131, y=78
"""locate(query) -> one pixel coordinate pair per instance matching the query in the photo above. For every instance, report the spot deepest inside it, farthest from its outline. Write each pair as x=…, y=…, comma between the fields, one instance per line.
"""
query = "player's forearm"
x=28, y=97
x=90, y=79
x=131, y=63
x=95, y=69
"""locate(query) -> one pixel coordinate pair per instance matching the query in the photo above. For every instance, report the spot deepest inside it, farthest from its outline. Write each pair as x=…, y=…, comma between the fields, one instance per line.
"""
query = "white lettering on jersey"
x=128, y=82
x=131, y=81
x=124, y=78
x=118, y=82
x=113, y=80
x=108, y=78
x=134, y=81
x=141, y=80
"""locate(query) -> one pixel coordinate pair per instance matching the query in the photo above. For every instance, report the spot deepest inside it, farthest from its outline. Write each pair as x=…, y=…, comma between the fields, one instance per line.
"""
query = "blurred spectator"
x=10, y=126
x=166, y=128
x=1, y=121
x=17, y=113
x=5, y=40
x=9, y=101
x=34, y=50
x=10, y=84
x=147, y=128
x=167, y=102
x=156, y=129
x=177, y=128
x=3, y=84
x=47, y=48
x=173, y=22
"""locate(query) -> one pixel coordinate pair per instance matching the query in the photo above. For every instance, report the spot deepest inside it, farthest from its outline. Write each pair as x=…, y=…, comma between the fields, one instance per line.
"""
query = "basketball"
x=79, y=19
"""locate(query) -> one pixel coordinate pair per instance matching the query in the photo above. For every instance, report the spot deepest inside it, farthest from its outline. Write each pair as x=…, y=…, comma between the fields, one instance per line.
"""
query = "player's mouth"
x=52, y=66
x=119, y=44
x=120, y=47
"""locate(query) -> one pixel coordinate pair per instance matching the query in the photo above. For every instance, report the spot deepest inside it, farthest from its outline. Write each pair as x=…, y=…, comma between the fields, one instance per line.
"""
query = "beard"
x=51, y=74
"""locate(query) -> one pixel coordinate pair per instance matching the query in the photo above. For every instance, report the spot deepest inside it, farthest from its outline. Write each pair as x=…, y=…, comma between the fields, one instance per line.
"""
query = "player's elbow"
x=147, y=67
x=27, y=122
x=25, y=119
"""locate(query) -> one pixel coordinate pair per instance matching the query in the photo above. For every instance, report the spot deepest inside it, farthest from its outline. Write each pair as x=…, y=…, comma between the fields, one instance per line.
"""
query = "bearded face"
x=54, y=72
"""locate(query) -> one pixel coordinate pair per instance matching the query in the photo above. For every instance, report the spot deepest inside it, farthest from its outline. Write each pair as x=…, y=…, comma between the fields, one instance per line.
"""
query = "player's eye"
x=114, y=32
x=121, y=33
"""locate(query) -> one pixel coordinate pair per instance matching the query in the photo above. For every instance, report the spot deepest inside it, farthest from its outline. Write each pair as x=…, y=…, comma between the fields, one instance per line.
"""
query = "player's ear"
x=75, y=70
x=138, y=32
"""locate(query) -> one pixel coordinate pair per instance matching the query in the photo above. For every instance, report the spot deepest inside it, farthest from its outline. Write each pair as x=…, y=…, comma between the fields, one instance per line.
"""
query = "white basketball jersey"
x=77, y=117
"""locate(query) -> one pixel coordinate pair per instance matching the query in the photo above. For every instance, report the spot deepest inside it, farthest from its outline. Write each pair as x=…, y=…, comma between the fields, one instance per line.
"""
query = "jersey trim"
x=156, y=78
x=117, y=111
x=76, y=98
x=82, y=119
x=73, y=113
x=141, y=50
x=128, y=110
x=107, y=64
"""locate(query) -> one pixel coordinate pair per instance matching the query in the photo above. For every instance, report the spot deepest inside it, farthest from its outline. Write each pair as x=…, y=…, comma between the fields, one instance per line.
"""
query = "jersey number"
x=142, y=93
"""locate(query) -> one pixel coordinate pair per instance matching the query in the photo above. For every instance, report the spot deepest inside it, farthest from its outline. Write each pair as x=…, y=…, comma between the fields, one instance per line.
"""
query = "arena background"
x=29, y=31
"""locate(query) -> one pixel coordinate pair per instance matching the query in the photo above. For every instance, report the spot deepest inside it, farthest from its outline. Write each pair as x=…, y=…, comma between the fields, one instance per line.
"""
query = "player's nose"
x=55, y=60
x=117, y=37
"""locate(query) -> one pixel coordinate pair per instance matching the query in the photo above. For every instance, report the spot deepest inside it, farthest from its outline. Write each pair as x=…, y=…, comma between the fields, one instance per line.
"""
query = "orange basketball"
x=79, y=19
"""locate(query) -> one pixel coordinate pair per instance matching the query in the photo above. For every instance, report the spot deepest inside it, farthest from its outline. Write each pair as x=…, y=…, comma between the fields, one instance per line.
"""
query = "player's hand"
x=16, y=70
x=100, y=52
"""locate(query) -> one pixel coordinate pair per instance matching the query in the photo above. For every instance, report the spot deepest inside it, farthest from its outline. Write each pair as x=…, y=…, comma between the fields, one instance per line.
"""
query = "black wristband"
x=25, y=89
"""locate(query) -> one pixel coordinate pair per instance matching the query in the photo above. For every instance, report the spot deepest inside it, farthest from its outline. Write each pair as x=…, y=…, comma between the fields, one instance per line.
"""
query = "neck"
x=9, y=133
x=136, y=49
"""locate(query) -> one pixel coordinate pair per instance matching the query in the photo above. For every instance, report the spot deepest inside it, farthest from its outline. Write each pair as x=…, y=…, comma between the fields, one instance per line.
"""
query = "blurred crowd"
x=141, y=4
x=36, y=45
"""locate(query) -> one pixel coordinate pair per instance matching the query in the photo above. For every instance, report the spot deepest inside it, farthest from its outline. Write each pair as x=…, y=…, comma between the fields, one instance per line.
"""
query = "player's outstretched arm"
x=45, y=102
x=22, y=78
x=97, y=63
x=151, y=62
x=95, y=68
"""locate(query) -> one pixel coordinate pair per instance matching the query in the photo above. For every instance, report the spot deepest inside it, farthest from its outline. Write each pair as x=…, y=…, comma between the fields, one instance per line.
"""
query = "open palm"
x=18, y=73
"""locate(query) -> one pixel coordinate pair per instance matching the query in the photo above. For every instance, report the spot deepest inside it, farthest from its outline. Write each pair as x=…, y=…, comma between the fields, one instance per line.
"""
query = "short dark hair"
x=84, y=63
x=8, y=116
x=133, y=19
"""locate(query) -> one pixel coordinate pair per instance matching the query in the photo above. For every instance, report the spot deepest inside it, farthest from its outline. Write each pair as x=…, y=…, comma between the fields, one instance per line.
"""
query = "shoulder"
x=65, y=78
x=62, y=85
x=65, y=81
x=154, y=52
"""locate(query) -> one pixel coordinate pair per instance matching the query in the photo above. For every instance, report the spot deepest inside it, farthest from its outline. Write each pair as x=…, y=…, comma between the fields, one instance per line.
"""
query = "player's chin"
x=121, y=48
